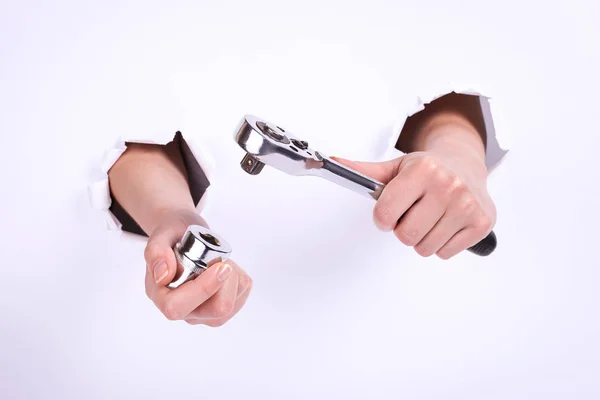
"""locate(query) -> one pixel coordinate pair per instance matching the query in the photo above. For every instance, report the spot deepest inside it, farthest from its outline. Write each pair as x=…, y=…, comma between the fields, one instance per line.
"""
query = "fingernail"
x=223, y=273
x=160, y=271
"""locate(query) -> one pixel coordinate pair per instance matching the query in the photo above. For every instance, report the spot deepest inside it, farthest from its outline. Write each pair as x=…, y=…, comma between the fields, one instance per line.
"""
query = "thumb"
x=161, y=263
x=383, y=171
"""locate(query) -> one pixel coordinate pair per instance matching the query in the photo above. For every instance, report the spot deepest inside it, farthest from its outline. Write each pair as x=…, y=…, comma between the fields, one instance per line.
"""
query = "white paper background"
x=339, y=310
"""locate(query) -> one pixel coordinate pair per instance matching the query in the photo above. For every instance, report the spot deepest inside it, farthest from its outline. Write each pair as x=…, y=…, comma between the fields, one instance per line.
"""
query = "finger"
x=238, y=306
x=381, y=171
x=244, y=282
x=221, y=304
x=178, y=303
x=240, y=302
x=243, y=279
x=465, y=238
x=160, y=259
x=444, y=229
x=419, y=220
x=397, y=197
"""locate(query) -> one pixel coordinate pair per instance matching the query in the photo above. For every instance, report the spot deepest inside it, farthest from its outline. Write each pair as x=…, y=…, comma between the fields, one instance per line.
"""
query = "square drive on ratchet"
x=268, y=144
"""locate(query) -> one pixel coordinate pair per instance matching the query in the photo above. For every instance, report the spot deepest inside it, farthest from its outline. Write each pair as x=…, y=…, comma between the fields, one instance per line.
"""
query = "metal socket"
x=198, y=249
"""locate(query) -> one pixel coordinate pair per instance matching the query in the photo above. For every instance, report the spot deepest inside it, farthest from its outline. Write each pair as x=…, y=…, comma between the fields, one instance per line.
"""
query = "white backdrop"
x=339, y=310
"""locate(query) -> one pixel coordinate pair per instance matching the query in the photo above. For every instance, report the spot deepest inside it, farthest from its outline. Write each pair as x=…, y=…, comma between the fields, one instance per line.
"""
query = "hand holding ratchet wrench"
x=424, y=197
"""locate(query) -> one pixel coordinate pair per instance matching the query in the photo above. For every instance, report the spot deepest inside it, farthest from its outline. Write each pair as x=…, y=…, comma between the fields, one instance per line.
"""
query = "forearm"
x=450, y=134
x=150, y=181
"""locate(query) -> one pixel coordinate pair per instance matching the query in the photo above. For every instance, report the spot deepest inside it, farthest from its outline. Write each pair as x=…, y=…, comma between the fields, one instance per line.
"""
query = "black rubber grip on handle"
x=486, y=246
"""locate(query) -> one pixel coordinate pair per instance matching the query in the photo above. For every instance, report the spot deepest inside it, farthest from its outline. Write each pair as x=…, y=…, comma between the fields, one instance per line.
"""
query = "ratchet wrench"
x=268, y=144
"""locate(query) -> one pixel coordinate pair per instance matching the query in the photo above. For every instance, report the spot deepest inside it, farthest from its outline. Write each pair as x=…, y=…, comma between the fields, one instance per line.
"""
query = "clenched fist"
x=150, y=183
x=436, y=199
x=211, y=299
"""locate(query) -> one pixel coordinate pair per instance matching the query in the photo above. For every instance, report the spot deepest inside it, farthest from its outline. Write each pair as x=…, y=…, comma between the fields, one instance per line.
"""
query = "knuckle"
x=152, y=250
x=407, y=235
x=215, y=323
x=382, y=214
x=444, y=255
x=423, y=251
x=244, y=281
x=429, y=164
x=223, y=308
x=171, y=312
x=444, y=180
x=248, y=286
x=201, y=289
x=455, y=185
x=468, y=204
x=484, y=224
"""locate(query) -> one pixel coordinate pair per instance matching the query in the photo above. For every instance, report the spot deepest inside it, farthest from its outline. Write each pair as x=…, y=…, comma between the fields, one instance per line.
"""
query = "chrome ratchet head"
x=267, y=143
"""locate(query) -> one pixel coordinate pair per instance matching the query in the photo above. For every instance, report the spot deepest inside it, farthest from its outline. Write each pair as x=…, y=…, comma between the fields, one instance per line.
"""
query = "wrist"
x=449, y=128
x=457, y=149
x=452, y=137
x=179, y=218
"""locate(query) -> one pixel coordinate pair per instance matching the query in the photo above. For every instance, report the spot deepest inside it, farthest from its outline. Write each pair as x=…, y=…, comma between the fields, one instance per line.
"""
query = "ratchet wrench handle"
x=362, y=184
